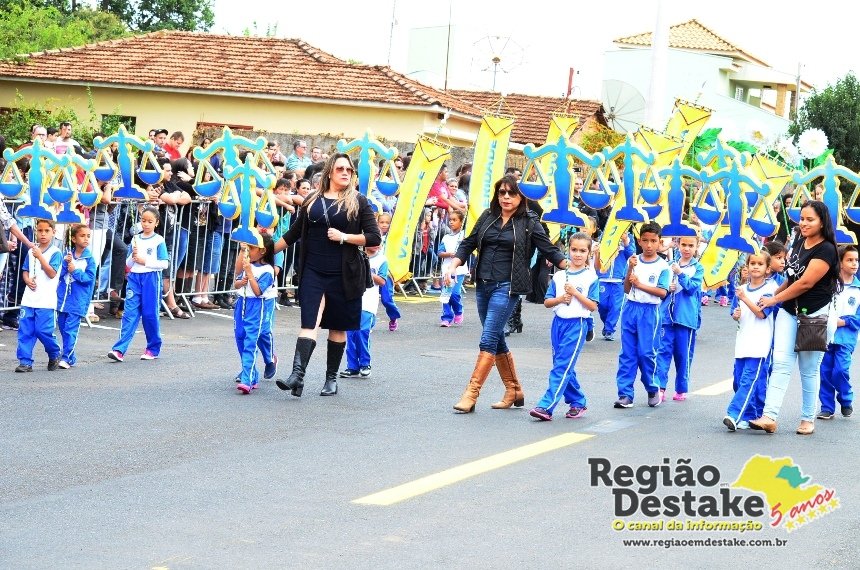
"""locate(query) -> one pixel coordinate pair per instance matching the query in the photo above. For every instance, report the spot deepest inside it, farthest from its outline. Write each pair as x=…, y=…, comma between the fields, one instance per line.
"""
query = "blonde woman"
x=332, y=224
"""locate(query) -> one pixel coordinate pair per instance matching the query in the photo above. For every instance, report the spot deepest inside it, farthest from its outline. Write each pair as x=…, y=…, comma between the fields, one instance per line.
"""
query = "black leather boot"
x=296, y=382
x=332, y=364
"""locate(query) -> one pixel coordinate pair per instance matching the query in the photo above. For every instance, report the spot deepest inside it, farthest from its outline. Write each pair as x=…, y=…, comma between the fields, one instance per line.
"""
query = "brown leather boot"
x=513, y=390
x=479, y=376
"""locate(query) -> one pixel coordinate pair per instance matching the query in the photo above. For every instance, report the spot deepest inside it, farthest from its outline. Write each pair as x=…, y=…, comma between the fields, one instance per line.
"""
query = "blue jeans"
x=784, y=357
x=495, y=305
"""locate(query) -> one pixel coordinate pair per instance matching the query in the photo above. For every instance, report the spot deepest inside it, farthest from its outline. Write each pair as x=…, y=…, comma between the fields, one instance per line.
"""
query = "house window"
x=739, y=93
x=110, y=123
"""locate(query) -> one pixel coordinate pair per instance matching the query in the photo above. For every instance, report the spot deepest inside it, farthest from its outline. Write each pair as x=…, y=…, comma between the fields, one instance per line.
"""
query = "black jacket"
x=528, y=235
x=352, y=264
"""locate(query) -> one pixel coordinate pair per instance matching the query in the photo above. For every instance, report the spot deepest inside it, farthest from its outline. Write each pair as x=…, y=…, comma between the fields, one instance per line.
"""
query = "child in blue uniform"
x=681, y=318
x=386, y=292
x=836, y=365
x=573, y=293
x=753, y=344
x=77, y=280
x=777, y=251
x=147, y=259
x=612, y=286
x=645, y=286
x=41, y=274
x=358, y=341
x=251, y=315
x=452, y=304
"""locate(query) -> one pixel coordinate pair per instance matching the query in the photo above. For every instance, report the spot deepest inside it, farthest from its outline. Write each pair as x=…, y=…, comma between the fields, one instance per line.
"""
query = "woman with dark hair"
x=332, y=224
x=812, y=270
x=505, y=236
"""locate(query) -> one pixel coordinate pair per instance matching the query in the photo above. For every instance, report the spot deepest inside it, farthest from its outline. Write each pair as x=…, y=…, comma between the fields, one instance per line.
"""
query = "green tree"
x=152, y=15
x=27, y=28
x=836, y=111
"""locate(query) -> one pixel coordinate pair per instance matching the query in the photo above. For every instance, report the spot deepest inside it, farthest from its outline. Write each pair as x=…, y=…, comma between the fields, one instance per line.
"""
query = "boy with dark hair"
x=645, y=286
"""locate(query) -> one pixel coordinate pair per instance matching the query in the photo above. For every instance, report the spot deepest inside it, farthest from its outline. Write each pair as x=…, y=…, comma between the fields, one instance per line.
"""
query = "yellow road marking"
x=715, y=389
x=471, y=469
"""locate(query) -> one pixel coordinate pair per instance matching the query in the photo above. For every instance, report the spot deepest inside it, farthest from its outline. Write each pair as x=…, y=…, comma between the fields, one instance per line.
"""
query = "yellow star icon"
x=822, y=510
x=802, y=519
x=834, y=503
x=813, y=514
x=789, y=526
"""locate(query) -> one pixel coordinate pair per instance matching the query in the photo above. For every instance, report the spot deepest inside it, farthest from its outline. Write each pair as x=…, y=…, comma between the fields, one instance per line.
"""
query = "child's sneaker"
x=445, y=324
x=115, y=355
x=706, y=301
x=847, y=411
x=458, y=319
x=724, y=301
x=662, y=395
x=654, y=399
x=623, y=402
x=244, y=388
x=349, y=373
x=823, y=415
x=607, y=336
x=271, y=369
x=24, y=368
x=575, y=412
x=589, y=336
x=541, y=414
x=730, y=423
x=743, y=424
x=53, y=364
x=254, y=385
x=392, y=325
x=364, y=372
x=148, y=356
x=64, y=365
x=680, y=396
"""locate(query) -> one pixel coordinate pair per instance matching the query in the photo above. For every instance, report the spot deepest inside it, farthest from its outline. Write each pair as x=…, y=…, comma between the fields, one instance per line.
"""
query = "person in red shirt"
x=171, y=147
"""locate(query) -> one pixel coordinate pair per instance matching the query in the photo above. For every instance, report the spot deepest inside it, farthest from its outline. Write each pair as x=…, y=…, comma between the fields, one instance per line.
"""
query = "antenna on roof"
x=497, y=54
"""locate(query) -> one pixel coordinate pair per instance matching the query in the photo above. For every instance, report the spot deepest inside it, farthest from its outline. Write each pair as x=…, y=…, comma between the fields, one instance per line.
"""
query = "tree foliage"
x=836, y=111
x=26, y=28
x=152, y=15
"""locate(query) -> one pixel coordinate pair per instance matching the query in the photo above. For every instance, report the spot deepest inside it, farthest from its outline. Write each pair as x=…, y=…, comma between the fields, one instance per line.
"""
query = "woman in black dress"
x=332, y=224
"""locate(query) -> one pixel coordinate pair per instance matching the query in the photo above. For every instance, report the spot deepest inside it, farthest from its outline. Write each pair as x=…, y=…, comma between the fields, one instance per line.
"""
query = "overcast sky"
x=549, y=37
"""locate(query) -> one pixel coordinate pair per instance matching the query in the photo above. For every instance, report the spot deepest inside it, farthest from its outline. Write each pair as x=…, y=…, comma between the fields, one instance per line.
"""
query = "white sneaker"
x=64, y=365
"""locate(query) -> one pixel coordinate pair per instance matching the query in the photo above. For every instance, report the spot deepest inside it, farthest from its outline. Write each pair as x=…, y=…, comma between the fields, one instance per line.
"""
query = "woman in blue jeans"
x=812, y=269
x=505, y=236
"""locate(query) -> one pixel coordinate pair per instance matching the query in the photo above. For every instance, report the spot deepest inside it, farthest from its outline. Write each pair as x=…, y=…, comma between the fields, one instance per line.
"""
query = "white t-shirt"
x=370, y=299
x=585, y=281
x=265, y=276
x=45, y=295
x=653, y=273
x=755, y=335
x=450, y=243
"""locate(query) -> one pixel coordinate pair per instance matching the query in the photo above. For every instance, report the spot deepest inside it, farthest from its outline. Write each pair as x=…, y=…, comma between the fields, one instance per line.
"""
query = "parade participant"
x=386, y=292
x=77, y=281
x=36, y=319
x=358, y=361
x=146, y=260
x=612, y=285
x=252, y=313
x=813, y=280
x=572, y=295
x=836, y=364
x=332, y=224
x=681, y=317
x=752, y=344
x=645, y=286
x=777, y=251
x=451, y=298
x=504, y=235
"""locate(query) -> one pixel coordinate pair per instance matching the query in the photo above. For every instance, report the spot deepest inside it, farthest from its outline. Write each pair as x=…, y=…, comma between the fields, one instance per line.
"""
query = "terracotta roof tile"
x=532, y=112
x=693, y=35
x=249, y=65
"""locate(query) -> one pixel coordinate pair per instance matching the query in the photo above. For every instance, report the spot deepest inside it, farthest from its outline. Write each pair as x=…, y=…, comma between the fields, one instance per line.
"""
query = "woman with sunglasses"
x=332, y=224
x=505, y=236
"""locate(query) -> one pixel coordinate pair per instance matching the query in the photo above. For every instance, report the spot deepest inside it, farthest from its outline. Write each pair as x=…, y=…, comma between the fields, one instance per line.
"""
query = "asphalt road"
x=163, y=464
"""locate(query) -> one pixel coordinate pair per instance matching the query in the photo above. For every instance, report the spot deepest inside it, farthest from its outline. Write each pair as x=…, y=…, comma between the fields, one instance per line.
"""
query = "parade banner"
x=561, y=125
x=368, y=149
x=427, y=158
x=488, y=165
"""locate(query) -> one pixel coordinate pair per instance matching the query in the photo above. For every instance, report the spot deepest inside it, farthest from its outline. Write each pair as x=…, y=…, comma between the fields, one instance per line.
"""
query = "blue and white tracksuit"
x=567, y=335
x=835, y=367
x=640, y=329
x=266, y=341
x=38, y=313
x=453, y=307
x=753, y=349
x=143, y=293
x=386, y=292
x=681, y=317
x=358, y=341
x=252, y=321
x=73, y=300
x=612, y=287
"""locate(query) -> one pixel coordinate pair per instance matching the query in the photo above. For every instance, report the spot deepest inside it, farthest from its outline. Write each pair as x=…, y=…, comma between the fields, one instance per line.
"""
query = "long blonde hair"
x=347, y=198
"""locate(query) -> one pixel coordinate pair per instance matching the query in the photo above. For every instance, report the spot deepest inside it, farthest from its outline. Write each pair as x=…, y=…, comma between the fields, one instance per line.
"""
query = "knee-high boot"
x=479, y=376
x=332, y=364
x=513, y=389
x=296, y=381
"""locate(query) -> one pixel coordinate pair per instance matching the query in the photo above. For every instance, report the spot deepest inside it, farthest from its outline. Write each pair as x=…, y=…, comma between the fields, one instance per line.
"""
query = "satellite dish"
x=623, y=104
x=495, y=54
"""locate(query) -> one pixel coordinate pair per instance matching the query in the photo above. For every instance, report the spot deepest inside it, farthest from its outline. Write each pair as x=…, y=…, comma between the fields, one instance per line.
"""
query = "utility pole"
x=448, y=47
x=391, y=32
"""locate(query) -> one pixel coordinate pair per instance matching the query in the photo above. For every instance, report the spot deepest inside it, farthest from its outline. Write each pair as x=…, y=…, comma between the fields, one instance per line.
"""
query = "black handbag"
x=811, y=333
